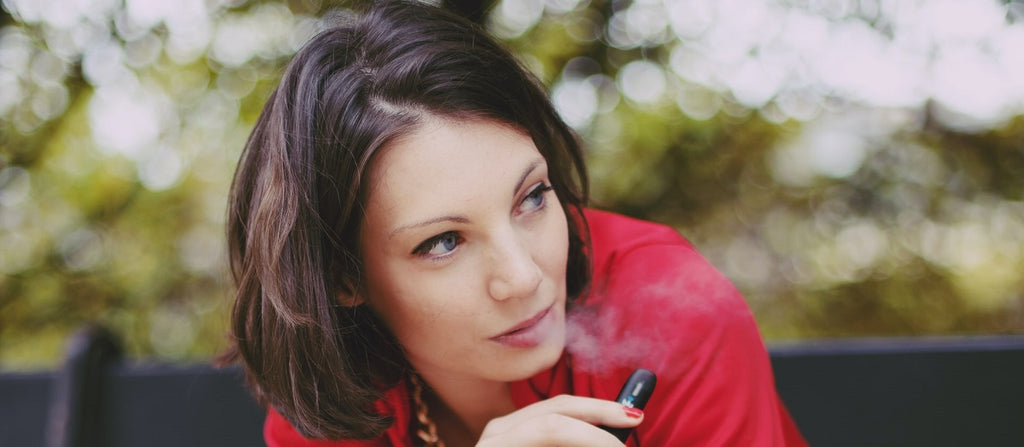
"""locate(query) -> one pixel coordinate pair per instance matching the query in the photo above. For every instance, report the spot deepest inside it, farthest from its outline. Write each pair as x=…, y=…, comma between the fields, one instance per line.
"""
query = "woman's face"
x=465, y=247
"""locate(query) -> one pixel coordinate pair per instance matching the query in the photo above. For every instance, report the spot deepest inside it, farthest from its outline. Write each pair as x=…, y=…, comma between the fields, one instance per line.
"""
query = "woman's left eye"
x=439, y=245
x=535, y=199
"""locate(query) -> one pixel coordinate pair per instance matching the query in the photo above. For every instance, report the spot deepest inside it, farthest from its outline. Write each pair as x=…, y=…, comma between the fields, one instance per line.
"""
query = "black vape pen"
x=634, y=393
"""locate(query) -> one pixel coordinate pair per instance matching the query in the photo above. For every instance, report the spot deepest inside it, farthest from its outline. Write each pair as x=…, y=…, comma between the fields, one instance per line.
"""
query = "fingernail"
x=634, y=413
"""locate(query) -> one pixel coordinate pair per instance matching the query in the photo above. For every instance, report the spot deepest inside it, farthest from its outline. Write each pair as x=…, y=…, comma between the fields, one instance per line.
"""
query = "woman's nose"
x=514, y=273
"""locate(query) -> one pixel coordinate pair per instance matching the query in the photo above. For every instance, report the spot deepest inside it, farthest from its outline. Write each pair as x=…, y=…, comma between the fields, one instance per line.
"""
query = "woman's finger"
x=590, y=410
x=550, y=429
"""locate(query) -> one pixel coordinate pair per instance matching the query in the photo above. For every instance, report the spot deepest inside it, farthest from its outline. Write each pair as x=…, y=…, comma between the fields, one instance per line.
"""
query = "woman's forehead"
x=444, y=162
x=437, y=147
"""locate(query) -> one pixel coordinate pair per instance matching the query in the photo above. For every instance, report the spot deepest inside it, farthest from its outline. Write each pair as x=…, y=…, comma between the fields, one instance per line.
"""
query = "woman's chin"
x=537, y=359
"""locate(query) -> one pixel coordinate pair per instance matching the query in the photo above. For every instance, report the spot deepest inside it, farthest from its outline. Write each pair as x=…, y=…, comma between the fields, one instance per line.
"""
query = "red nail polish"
x=634, y=413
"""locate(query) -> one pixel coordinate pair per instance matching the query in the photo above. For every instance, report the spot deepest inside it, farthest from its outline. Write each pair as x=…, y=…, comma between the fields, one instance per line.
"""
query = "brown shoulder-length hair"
x=297, y=201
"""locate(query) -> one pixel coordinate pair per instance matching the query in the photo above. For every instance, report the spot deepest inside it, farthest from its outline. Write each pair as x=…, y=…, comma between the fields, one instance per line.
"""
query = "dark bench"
x=880, y=392
x=905, y=392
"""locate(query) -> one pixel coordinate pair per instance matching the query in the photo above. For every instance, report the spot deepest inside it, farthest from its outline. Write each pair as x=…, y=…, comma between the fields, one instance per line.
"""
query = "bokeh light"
x=854, y=166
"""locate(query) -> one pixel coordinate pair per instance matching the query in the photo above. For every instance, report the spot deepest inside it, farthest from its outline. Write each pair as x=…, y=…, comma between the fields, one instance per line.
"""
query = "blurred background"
x=856, y=167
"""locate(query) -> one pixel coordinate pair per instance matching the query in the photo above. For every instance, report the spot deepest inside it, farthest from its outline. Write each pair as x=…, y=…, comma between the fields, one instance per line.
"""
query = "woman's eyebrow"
x=456, y=219
x=526, y=173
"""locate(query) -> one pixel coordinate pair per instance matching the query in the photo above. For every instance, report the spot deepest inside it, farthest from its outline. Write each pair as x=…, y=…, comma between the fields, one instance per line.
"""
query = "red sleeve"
x=664, y=307
x=278, y=432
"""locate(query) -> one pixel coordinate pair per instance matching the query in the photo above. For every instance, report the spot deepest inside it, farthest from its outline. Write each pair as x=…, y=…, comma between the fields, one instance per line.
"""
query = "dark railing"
x=861, y=392
x=905, y=392
x=97, y=400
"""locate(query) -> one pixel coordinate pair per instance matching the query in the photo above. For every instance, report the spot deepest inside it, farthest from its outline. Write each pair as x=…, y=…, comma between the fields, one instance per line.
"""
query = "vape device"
x=634, y=393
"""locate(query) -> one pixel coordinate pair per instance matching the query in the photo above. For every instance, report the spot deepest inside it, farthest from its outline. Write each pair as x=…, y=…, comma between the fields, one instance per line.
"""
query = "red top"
x=654, y=303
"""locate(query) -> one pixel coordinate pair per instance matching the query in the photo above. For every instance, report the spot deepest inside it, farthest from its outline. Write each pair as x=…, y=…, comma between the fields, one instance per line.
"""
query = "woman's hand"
x=562, y=420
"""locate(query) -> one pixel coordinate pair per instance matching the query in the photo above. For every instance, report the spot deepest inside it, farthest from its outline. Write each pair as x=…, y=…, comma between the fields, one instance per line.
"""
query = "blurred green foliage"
x=120, y=129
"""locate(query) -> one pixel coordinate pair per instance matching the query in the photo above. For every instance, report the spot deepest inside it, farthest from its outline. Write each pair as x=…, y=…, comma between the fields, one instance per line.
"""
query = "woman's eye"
x=439, y=245
x=535, y=199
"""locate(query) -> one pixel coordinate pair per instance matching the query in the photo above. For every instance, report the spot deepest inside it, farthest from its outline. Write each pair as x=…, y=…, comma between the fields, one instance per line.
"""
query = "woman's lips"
x=530, y=332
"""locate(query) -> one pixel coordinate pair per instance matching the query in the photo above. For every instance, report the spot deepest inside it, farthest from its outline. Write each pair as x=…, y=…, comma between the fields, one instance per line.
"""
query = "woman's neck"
x=461, y=408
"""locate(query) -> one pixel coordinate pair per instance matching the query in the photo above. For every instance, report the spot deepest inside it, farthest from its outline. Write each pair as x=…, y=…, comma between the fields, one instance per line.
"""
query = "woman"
x=415, y=265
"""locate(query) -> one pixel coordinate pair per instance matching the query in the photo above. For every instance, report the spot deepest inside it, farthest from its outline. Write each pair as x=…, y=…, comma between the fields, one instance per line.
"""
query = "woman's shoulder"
x=635, y=257
x=610, y=232
x=652, y=296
